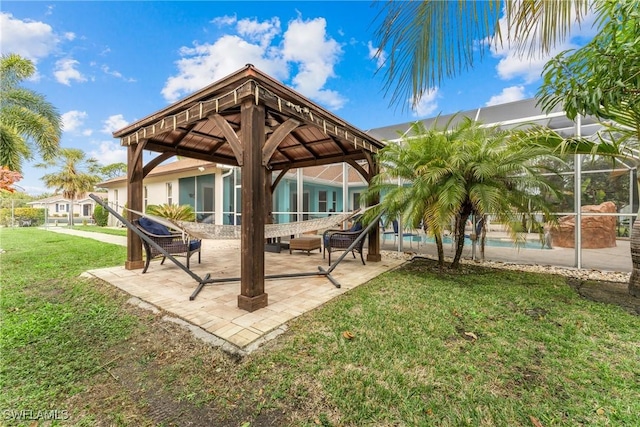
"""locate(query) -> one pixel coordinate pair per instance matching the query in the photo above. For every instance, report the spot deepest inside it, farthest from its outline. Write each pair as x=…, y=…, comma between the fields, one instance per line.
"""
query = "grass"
x=477, y=347
x=104, y=230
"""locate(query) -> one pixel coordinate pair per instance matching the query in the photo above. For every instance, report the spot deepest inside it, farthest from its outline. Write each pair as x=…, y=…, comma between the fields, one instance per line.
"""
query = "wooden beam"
x=134, y=201
x=231, y=136
x=137, y=155
x=373, y=254
x=320, y=161
x=283, y=172
x=358, y=167
x=252, y=296
x=200, y=155
x=276, y=138
x=155, y=162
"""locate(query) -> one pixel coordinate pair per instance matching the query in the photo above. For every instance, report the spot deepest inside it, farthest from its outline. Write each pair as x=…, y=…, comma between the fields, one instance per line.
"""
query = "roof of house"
x=178, y=166
x=60, y=198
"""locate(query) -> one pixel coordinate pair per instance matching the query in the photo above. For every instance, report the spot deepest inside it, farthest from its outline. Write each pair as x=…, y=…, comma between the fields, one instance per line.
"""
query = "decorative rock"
x=597, y=231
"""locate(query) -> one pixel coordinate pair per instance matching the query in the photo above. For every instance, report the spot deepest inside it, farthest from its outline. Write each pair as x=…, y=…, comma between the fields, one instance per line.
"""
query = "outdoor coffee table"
x=306, y=243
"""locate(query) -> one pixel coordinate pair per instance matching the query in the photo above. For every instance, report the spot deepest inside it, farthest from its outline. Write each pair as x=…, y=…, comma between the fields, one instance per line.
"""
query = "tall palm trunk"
x=634, y=280
x=440, y=249
x=71, y=211
x=459, y=235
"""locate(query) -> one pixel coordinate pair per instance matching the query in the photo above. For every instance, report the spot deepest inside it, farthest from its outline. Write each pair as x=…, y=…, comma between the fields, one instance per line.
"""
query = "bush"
x=177, y=212
x=100, y=216
x=34, y=216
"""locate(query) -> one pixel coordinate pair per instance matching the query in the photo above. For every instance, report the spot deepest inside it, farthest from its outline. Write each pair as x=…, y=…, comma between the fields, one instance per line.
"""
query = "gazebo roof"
x=205, y=126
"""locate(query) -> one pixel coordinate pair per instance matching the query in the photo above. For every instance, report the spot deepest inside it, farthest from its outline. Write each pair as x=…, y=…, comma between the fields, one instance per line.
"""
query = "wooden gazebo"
x=246, y=119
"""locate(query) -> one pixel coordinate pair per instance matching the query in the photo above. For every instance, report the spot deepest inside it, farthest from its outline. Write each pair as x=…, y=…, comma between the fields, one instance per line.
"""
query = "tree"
x=111, y=171
x=602, y=79
x=429, y=40
x=462, y=170
x=27, y=119
x=7, y=179
x=71, y=180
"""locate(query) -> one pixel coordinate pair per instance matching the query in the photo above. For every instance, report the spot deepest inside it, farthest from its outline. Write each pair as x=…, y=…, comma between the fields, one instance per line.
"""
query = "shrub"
x=100, y=216
x=177, y=212
x=20, y=215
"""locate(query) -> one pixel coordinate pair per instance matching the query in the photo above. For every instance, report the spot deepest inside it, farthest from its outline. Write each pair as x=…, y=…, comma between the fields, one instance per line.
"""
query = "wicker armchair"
x=173, y=243
x=340, y=240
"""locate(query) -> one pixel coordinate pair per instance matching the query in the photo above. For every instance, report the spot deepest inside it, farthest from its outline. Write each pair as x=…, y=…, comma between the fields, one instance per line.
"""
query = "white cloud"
x=73, y=120
x=427, y=104
x=261, y=32
x=508, y=94
x=306, y=43
x=114, y=123
x=29, y=39
x=515, y=65
x=204, y=64
x=222, y=21
x=105, y=69
x=65, y=71
x=379, y=55
x=304, y=47
x=109, y=152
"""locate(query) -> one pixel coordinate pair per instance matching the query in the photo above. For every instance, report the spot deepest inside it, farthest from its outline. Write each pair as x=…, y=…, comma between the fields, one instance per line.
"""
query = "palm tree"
x=71, y=179
x=27, y=119
x=428, y=41
x=454, y=172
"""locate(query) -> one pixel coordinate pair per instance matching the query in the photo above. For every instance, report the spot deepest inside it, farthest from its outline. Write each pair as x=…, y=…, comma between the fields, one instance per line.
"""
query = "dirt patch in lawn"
x=163, y=376
x=616, y=293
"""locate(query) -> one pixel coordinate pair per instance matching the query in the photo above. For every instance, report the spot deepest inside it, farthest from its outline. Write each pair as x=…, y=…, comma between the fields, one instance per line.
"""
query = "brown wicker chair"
x=340, y=240
x=173, y=243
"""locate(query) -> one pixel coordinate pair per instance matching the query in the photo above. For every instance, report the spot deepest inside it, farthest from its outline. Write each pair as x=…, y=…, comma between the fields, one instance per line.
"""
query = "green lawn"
x=476, y=347
x=105, y=230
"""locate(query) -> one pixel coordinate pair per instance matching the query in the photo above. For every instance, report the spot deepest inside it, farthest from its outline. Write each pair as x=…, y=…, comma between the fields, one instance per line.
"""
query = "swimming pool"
x=499, y=243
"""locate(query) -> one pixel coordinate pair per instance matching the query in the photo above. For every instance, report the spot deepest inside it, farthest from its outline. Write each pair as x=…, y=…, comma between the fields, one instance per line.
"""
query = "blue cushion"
x=194, y=244
x=153, y=227
x=356, y=227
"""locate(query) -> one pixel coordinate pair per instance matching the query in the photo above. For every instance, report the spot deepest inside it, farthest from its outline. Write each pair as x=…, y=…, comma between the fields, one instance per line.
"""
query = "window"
x=322, y=201
x=115, y=198
x=169, y=193
x=356, y=201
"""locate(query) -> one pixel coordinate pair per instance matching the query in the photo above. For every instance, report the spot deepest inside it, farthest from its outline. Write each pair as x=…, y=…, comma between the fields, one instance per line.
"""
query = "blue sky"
x=106, y=64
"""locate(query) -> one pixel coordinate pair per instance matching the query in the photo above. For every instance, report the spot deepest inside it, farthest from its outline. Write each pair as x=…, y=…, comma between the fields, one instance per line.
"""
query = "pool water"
x=500, y=243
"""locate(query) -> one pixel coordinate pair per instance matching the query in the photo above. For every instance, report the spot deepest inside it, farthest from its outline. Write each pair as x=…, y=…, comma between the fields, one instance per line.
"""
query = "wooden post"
x=134, y=201
x=252, y=296
x=374, y=235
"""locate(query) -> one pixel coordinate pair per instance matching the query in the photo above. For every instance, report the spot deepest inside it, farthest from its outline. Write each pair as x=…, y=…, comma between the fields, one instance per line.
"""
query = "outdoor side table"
x=306, y=243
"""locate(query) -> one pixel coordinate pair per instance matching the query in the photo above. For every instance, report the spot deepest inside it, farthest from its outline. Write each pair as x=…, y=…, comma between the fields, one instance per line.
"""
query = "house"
x=57, y=208
x=213, y=191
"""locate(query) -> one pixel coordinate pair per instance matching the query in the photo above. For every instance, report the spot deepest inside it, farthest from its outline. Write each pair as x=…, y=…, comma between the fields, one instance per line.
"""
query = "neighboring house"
x=57, y=208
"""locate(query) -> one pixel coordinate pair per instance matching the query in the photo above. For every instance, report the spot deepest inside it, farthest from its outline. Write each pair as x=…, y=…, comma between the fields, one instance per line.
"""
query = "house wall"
x=186, y=188
x=223, y=188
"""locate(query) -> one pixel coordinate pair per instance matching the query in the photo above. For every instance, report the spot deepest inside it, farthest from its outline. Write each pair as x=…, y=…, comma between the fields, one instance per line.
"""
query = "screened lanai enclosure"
x=596, y=236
